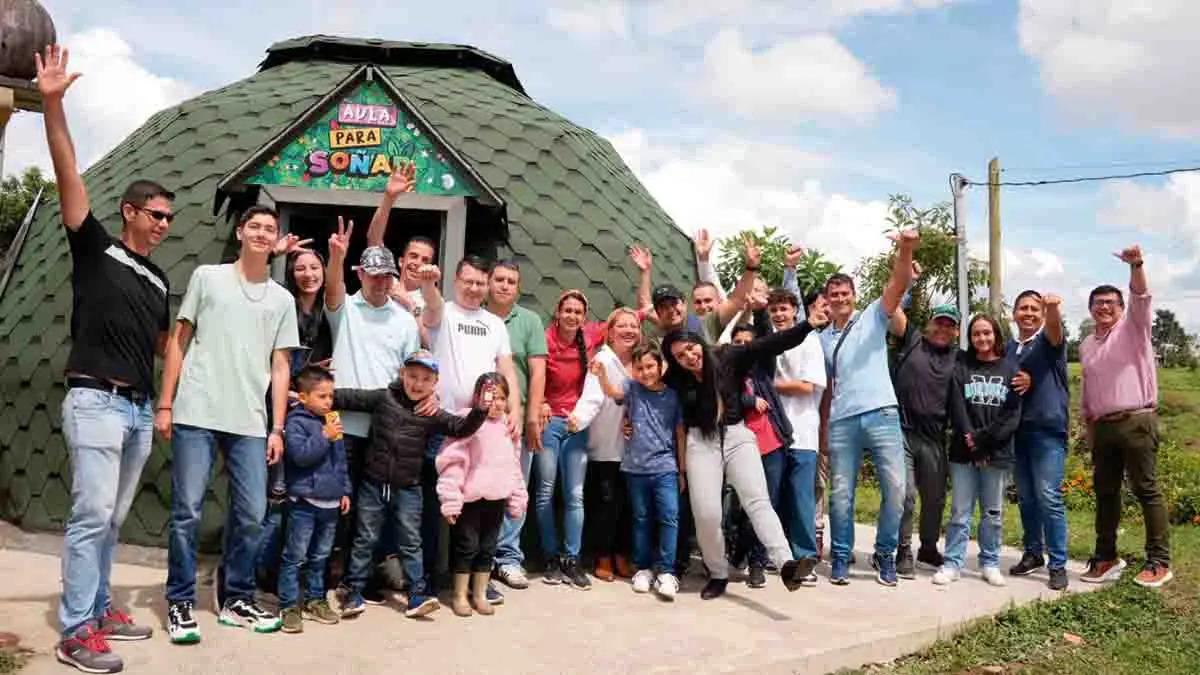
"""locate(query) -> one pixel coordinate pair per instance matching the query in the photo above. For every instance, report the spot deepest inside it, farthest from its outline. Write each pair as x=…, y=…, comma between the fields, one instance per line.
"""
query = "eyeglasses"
x=1106, y=302
x=157, y=215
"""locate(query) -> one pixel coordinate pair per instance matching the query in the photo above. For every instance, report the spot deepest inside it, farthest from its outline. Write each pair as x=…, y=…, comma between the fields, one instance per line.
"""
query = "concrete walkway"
x=549, y=629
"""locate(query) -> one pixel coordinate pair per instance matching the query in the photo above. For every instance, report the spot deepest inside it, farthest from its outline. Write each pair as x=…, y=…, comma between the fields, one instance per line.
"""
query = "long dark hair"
x=290, y=279
x=699, y=398
x=580, y=338
x=997, y=346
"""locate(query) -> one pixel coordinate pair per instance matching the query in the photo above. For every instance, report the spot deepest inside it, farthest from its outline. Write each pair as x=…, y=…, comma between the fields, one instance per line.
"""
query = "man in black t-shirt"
x=119, y=320
x=921, y=375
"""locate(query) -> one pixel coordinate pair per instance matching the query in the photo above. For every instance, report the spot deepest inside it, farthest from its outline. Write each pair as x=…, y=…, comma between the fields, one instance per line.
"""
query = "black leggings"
x=609, y=521
x=474, y=535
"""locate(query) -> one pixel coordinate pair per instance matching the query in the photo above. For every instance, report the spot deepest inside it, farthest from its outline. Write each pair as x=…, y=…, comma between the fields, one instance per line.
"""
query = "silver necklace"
x=242, y=285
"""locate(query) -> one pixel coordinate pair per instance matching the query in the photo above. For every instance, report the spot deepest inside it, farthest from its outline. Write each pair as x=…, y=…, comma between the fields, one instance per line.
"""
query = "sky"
x=800, y=114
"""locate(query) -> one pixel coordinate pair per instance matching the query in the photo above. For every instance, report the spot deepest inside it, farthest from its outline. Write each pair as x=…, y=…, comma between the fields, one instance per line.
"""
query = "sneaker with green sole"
x=321, y=612
x=293, y=622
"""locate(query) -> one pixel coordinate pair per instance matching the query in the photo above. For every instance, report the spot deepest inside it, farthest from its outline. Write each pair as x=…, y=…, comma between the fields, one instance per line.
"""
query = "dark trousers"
x=474, y=535
x=1121, y=448
x=608, y=522
x=687, y=530
x=431, y=522
x=927, y=465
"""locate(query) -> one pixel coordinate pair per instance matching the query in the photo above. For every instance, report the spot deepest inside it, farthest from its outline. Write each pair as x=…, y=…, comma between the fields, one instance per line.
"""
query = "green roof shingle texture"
x=572, y=204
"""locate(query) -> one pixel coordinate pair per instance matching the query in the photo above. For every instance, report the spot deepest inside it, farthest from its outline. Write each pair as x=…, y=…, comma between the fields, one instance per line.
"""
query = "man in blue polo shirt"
x=863, y=413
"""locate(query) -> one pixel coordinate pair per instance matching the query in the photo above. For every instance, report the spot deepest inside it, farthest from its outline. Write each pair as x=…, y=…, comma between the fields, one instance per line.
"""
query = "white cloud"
x=731, y=184
x=1133, y=61
x=809, y=77
x=113, y=98
x=669, y=16
x=590, y=18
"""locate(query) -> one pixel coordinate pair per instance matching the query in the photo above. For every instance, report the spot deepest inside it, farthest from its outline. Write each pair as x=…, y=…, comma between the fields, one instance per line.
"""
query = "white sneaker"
x=993, y=576
x=642, y=581
x=946, y=576
x=666, y=586
x=512, y=576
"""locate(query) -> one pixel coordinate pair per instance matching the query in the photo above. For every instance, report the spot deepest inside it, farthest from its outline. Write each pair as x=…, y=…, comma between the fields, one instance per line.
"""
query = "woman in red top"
x=571, y=341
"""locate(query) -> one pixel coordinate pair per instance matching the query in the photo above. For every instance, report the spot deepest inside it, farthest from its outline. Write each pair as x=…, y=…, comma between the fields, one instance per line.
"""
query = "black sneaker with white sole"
x=574, y=575
x=181, y=623
x=245, y=614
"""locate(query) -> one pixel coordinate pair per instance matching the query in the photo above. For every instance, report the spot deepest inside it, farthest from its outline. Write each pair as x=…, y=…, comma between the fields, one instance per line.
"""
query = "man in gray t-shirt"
x=232, y=340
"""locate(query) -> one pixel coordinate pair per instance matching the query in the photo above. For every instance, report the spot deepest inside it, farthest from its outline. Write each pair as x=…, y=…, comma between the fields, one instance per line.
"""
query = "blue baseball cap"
x=423, y=358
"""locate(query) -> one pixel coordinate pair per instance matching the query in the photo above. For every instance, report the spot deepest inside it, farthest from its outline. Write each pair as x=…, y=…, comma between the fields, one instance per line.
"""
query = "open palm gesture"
x=403, y=179
x=339, y=242
x=703, y=244
x=53, y=78
x=642, y=257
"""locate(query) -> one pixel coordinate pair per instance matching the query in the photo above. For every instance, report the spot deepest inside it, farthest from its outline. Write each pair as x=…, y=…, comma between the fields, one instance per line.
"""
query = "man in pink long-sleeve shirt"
x=1120, y=396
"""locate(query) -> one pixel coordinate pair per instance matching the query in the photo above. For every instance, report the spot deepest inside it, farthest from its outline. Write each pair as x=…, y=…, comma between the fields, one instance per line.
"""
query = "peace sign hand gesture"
x=703, y=244
x=753, y=254
x=339, y=242
x=53, y=79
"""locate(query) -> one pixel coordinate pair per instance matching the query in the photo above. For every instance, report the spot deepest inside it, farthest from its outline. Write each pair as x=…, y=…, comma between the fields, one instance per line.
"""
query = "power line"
x=1085, y=179
x=1107, y=165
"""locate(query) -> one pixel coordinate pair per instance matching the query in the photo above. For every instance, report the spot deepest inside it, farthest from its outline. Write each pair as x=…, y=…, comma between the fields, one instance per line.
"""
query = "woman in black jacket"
x=984, y=414
x=719, y=446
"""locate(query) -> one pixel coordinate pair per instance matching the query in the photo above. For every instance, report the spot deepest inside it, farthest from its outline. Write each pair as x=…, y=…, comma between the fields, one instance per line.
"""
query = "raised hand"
x=793, y=256
x=642, y=257
x=429, y=274
x=339, y=242
x=753, y=254
x=703, y=244
x=1051, y=300
x=1131, y=255
x=402, y=180
x=909, y=237
x=817, y=318
x=916, y=270
x=290, y=243
x=53, y=79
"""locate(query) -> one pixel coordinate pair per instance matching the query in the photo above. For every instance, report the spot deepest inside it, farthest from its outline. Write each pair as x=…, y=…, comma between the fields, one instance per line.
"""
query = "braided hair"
x=580, y=338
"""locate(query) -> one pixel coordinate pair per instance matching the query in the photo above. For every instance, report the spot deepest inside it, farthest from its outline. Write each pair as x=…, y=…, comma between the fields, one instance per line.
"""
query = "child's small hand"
x=596, y=368
x=451, y=519
x=345, y=505
x=627, y=428
x=761, y=405
x=333, y=430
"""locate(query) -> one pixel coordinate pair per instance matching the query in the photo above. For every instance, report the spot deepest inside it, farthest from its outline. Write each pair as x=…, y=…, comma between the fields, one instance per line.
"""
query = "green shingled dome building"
x=315, y=132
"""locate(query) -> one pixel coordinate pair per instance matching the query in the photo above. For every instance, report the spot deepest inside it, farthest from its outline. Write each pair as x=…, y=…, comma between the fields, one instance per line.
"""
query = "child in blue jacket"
x=318, y=487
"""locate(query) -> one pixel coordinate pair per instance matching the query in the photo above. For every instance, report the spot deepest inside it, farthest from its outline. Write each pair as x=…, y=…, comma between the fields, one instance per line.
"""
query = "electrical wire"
x=1082, y=179
x=1089, y=167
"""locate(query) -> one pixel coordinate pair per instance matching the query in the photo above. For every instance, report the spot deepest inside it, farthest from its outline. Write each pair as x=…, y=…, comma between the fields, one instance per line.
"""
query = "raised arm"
x=898, y=323
x=705, y=270
x=431, y=316
x=53, y=80
x=902, y=270
x=1054, y=320
x=643, y=259
x=772, y=345
x=402, y=180
x=458, y=426
x=335, y=276
x=617, y=394
x=1139, y=310
x=741, y=293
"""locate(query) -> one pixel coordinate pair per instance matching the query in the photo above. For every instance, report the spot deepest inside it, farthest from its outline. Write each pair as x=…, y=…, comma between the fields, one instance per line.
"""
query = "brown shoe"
x=604, y=569
x=625, y=568
x=1153, y=575
x=1100, y=571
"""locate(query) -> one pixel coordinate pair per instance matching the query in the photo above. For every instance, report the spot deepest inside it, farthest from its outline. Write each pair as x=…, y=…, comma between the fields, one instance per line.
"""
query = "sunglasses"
x=157, y=215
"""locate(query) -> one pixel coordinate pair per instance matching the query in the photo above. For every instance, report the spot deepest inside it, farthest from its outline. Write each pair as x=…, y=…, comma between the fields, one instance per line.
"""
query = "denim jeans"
x=194, y=451
x=654, y=500
x=272, y=540
x=983, y=485
x=377, y=506
x=791, y=479
x=108, y=438
x=309, y=541
x=508, y=550
x=565, y=453
x=878, y=431
x=1041, y=462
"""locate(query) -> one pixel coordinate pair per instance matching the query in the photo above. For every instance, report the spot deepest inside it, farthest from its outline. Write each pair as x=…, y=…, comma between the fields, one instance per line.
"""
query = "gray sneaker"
x=117, y=625
x=512, y=576
x=906, y=567
x=88, y=651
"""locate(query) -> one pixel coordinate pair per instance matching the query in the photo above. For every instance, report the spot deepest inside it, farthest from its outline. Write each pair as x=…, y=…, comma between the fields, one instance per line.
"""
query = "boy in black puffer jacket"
x=391, y=486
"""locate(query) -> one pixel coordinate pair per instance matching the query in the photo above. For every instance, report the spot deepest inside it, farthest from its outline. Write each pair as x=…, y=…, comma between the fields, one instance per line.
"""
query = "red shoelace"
x=94, y=641
x=118, y=616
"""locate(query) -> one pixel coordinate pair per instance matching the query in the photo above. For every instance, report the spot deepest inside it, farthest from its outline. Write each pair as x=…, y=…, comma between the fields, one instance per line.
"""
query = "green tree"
x=16, y=196
x=937, y=256
x=811, y=272
x=1174, y=347
x=1086, y=328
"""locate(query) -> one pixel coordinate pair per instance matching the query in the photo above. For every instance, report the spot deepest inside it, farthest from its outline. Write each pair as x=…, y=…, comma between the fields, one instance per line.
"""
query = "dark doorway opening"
x=318, y=222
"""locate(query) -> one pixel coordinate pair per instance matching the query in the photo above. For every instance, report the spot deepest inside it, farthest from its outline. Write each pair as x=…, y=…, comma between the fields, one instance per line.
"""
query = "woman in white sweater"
x=604, y=491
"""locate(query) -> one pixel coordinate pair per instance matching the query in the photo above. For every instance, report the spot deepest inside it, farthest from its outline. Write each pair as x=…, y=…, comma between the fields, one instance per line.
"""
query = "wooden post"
x=995, y=250
x=8, y=101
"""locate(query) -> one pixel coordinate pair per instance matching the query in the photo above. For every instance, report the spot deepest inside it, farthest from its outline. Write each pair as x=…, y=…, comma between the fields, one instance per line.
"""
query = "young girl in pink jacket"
x=479, y=478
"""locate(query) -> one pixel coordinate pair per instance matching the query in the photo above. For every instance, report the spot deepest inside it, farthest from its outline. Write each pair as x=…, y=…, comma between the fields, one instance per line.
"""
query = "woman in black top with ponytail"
x=709, y=382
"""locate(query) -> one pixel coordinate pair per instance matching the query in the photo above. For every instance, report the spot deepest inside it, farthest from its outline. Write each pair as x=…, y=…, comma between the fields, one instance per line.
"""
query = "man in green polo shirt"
x=527, y=336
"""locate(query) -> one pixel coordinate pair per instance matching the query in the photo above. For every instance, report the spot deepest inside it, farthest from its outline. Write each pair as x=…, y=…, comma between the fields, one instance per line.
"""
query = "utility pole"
x=958, y=187
x=995, y=250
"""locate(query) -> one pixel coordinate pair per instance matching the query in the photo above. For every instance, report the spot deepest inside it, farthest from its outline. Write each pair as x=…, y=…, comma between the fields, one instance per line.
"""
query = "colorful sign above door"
x=356, y=144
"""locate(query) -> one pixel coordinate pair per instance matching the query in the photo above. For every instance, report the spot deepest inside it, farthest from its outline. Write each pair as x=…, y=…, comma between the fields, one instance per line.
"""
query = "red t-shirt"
x=564, y=369
x=760, y=425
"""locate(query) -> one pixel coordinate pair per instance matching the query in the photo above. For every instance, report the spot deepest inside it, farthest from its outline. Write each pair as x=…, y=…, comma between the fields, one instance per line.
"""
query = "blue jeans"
x=508, y=550
x=1041, y=462
x=791, y=479
x=309, y=541
x=377, y=506
x=879, y=432
x=654, y=501
x=562, y=452
x=432, y=524
x=983, y=485
x=108, y=438
x=194, y=450
x=271, y=541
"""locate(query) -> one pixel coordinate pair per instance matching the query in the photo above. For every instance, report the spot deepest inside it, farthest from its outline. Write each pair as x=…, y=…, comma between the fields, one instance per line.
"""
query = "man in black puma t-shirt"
x=119, y=320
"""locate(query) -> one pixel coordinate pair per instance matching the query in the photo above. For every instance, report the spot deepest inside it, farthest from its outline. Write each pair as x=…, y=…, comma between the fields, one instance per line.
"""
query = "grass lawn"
x=1125, y=629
